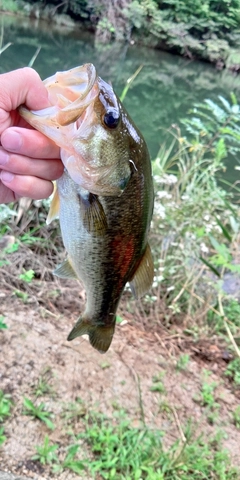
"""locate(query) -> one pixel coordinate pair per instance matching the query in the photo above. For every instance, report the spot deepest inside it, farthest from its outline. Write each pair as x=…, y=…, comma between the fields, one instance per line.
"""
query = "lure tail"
x=100, y=337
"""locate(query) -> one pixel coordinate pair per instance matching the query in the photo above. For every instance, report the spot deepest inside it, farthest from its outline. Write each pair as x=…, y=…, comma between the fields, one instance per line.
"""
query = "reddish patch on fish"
x=123, y=254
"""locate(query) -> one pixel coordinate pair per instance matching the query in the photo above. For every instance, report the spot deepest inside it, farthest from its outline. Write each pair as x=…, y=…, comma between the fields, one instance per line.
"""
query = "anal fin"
x=143, y=277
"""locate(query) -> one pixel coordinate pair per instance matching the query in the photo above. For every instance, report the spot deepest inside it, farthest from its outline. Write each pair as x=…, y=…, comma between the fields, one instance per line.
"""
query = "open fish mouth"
x=72, y=92
x=69, y=93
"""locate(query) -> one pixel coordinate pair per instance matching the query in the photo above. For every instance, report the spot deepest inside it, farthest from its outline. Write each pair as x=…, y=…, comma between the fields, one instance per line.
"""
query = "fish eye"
x=111, y=118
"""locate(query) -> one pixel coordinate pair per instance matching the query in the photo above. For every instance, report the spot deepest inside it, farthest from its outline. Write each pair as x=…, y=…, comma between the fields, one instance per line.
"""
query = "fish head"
x=103, y=140
x=85, y=120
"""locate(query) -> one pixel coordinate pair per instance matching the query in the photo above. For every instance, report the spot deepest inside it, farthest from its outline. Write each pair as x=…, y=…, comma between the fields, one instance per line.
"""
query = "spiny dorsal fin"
x=93, y=215
x=65, y=270
x=143, y=277
x=55, y=205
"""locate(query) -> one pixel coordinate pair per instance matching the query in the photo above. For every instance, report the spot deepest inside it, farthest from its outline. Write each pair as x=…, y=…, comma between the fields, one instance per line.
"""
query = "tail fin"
x=100, y=337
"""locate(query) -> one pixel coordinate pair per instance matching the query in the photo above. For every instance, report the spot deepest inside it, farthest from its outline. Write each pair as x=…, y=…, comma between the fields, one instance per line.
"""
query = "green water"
x=162, y=93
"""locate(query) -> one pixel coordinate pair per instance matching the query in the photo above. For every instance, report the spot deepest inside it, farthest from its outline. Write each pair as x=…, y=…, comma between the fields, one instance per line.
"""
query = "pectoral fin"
x=93, y=215
x=65, y=270
x=143, y=277
x=54, y=207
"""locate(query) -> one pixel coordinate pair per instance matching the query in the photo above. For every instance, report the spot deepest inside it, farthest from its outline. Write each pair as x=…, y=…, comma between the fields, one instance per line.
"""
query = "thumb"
x=22, y=86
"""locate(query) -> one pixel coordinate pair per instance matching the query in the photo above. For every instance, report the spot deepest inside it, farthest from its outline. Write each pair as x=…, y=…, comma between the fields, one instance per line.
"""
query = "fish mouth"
x=72, y=92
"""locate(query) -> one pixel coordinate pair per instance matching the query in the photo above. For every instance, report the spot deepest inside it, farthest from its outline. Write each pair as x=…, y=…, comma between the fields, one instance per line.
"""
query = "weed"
x=38, y=412
x=43, y=387
x=3, y=325
x=236, y=417
x=207, y=392
x=70, y=462
x=23, y=295
x=5, y=406
x=183, y=362
x=2, y=436
x=27, y=276
x=46, y=452
x=158, y=385
x=233, y=371
x=105, y=365
x=74, y=410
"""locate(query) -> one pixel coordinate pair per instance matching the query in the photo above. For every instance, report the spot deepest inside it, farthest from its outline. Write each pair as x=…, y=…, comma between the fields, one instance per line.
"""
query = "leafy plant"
x=236, y=416
x=233, y=371
x=157, y=385
x=207, y=393
x=3, y=325
x=74, y=410
x=2, y=436
x=38, y=411
x=27, y=276
x=70, y=462
x=183, y=362
x=43, y=387
x=46, y=452
x=5, y=406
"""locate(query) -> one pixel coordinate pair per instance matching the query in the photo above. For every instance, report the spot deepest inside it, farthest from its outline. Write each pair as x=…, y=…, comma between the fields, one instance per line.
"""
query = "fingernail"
x=6, y=176
x=3, y=157
x=11, y=140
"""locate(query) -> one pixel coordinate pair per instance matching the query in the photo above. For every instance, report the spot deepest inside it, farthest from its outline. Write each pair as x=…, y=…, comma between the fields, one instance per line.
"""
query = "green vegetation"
x=43, y=386
x=207, y=29
x=120, y=451
x=200, y=217
x=233, y=371
x=236, y=417
x=38, y=411
x=2, y=436
x=5, y=406
x=5, y=412
x=46, y=452
x=3, y=325
x=158, y=385
x=183, y=362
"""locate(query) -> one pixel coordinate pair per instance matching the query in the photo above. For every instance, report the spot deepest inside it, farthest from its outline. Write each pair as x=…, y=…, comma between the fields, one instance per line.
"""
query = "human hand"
x=29, y=161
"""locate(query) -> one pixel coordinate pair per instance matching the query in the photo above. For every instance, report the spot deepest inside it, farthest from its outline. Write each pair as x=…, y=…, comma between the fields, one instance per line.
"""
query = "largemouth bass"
x=104, y=198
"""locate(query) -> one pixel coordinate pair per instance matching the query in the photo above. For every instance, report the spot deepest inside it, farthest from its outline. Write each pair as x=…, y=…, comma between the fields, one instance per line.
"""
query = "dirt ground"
x=35, y=343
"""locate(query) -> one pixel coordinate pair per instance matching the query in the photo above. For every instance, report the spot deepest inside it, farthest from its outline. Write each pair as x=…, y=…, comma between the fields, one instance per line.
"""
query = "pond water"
x=162, y=93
